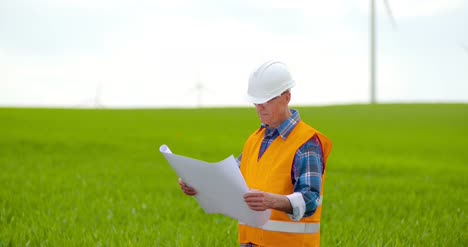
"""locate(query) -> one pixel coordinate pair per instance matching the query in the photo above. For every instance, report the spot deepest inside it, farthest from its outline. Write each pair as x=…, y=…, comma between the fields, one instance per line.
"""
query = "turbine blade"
x=390, y=15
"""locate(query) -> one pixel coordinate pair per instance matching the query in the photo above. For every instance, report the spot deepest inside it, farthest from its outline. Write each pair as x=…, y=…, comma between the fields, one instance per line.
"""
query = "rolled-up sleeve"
x=307, y=179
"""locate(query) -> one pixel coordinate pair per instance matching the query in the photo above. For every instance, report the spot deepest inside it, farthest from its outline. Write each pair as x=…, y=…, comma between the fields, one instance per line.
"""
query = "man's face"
x=274, y=111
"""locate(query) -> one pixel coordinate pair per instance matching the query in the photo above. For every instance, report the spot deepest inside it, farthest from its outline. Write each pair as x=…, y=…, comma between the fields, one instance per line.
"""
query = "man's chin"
x=264, y=122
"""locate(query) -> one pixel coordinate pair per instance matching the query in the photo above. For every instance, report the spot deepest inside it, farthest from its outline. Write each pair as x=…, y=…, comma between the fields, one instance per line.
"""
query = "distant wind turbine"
x=373, y=44
x=97, y=97
x=199, y=88
x=96, y=101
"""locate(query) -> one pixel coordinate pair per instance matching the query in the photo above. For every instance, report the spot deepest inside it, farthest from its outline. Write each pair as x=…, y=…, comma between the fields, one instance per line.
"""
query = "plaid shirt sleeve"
x=239, y=158
x=307, y=174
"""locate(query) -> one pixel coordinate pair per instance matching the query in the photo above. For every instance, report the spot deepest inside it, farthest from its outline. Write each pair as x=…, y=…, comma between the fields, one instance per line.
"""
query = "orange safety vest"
x=272, y=174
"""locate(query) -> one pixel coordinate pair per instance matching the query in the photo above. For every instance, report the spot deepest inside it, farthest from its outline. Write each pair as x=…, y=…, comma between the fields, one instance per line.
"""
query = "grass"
x=397, y=175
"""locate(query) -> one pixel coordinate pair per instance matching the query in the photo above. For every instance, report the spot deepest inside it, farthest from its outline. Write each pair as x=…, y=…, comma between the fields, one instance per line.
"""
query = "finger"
x=253, y=194
x=189, y=191
x=256, y=204
x=254, y=200
x=188, y=188
x=181, y=182
x=257, y=207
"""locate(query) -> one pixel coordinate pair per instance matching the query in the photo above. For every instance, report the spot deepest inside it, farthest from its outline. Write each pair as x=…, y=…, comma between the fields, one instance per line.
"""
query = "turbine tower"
x=97, y=97
x=199, y=88
x=373, y=44
x=94, y=101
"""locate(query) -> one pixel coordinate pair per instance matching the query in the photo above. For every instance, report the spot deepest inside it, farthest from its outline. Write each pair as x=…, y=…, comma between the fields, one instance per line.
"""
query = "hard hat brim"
x=255, y=100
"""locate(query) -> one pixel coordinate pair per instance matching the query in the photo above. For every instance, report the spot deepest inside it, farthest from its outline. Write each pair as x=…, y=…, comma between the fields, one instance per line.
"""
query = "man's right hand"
x=190, y=191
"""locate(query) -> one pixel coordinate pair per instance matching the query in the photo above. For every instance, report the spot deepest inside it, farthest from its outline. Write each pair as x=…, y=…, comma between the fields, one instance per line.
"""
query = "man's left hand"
x=259, y=200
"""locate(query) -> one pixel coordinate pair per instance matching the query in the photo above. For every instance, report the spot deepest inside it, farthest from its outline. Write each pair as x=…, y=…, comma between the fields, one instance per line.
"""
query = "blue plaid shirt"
x=306, y=172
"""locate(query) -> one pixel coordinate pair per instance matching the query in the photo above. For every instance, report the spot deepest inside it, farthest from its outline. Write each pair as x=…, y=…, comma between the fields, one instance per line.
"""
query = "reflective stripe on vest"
x=290, y=227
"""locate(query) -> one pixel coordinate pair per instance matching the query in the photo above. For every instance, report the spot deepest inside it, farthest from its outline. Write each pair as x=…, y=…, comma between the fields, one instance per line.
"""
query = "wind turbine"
x=95, y=101
x=373, y=44
x=97, y=97
x=199, y=88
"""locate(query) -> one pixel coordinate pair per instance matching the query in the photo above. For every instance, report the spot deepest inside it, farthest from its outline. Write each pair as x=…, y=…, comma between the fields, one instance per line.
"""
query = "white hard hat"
x=271, y=79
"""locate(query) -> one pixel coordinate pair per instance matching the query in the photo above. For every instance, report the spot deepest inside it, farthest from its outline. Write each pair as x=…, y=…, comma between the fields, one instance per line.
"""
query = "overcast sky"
x=149, y=53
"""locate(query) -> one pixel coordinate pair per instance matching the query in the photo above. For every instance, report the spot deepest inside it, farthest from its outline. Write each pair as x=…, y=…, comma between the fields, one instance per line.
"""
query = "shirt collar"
x=286, y=127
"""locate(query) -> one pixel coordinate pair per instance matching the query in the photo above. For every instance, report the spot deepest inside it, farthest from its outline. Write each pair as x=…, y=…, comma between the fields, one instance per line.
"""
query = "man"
x=283, y=163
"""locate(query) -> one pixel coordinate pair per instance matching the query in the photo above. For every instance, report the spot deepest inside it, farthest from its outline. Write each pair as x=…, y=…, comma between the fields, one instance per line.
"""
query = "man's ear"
x=287, y=97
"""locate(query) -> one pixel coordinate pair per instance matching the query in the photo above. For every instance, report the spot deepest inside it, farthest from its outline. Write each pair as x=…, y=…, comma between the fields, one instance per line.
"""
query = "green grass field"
x=397, y=176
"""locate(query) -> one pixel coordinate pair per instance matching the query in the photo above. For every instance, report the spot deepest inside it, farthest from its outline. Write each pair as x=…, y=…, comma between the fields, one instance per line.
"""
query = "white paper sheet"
x=220, y=187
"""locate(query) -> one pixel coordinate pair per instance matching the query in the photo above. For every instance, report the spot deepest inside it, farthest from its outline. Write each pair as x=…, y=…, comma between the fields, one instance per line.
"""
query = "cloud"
x=156, y=57
x=223, y=53
x=159, y=59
